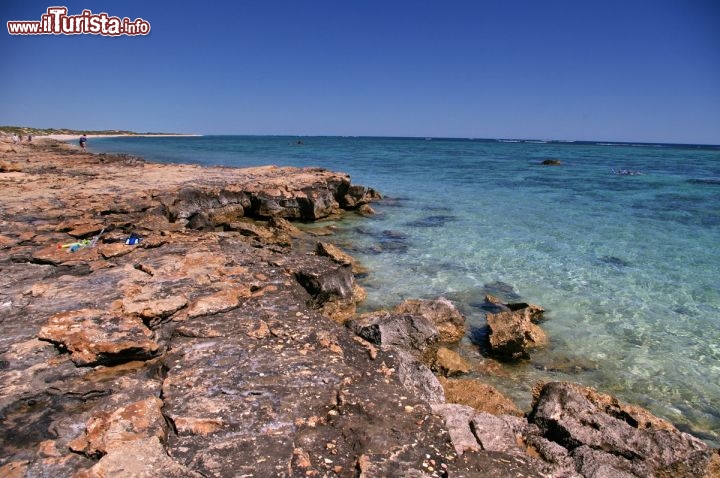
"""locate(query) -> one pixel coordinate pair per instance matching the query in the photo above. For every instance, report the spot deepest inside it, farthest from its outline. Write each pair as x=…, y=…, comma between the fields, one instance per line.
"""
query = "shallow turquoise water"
x=628, y=267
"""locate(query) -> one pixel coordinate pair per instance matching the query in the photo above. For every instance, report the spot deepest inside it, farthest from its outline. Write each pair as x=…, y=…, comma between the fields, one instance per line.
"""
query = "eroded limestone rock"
x=337, y=255
x=607, y=437
x=94, y=336
x=478, y=395
x=412, y=334
x=450, y=363
x=441, y=312
x=513, y=334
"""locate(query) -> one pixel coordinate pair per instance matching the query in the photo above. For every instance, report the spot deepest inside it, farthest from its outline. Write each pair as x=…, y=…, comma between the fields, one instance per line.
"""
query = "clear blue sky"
x=631, y=70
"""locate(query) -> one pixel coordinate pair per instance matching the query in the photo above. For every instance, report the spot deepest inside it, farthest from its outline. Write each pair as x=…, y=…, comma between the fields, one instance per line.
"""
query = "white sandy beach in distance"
x=66, y=137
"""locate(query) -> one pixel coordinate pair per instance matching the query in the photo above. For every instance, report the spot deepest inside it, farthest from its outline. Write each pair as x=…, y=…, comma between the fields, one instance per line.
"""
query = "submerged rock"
x=366, y=210
x=386, y=241
x=449, y=363
x=615, y=261
x=502, y=291
x=432, y=221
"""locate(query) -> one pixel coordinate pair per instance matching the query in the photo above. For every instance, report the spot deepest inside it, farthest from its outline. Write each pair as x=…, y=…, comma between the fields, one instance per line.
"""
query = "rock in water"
x=513, y=334
x=446, y=317
x=449, y=363
x=337, y=255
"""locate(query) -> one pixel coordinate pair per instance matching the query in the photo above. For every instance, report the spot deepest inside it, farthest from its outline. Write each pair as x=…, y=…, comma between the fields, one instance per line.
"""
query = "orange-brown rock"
x=449, y=363
x=107, y=431
x=447, y=318
x=93, y=336
x=513, y=334
x=336, y=254
x=478, y=395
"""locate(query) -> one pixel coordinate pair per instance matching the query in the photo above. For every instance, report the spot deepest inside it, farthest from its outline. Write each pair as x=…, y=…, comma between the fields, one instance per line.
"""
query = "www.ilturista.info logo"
x=57, y=22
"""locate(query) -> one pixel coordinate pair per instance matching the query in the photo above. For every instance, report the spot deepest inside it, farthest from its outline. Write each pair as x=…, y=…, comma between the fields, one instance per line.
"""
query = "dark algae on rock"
x=225, y=343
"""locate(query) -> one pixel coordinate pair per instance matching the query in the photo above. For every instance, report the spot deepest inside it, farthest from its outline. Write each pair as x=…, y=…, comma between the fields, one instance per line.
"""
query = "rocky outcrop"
x=336, y=254
x=513, y=332
x=449, y=363
x=358, y=196
x=207, y=349
x=480, y=396
x=448, y=320
x=577, y=432
x=604, y=437
x=413, y=334
x=257, y=376
x=95, y=337
x=312, y=194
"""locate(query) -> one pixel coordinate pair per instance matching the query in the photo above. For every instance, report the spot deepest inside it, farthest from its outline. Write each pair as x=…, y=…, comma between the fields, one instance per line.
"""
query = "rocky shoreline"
x=225, y=342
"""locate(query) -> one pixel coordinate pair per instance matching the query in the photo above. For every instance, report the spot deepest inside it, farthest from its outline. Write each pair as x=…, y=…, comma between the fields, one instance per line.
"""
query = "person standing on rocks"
x=83, y=140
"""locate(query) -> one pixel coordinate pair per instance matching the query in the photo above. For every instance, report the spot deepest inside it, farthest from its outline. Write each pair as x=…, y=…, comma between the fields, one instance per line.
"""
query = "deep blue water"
x=627, y=266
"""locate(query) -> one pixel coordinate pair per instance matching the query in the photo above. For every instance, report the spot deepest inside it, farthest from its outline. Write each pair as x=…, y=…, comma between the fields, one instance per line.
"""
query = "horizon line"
x=461, y=138
x=419, y=137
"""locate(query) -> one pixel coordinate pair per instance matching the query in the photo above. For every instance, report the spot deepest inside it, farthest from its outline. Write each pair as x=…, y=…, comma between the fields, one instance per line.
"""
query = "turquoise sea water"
x=627, y=266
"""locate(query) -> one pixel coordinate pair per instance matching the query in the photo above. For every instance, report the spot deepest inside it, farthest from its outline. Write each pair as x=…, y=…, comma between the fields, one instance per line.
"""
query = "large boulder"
x=413, y=334
x=447, y=318
x=513, y=334
x=337, y=255
x=331, y=286
x=325, y=281
x=419, y=379
x=608, y=438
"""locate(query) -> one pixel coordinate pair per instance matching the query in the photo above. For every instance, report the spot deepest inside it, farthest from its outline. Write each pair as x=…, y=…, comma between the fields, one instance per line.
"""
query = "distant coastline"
x=66, y=137
x=64, y=134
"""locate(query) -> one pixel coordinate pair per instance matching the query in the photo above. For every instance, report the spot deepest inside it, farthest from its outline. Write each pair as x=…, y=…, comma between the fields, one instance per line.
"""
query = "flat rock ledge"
x=222, y=345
